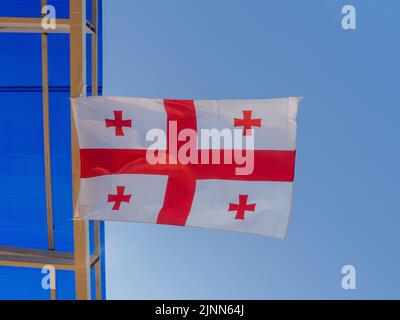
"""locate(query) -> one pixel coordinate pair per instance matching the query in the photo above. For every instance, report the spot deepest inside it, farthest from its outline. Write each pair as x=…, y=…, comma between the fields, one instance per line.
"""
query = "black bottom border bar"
x=204, y=309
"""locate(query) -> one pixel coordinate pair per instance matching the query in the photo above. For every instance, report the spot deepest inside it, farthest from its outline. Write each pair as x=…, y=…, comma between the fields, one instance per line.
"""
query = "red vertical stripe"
x=180, y=189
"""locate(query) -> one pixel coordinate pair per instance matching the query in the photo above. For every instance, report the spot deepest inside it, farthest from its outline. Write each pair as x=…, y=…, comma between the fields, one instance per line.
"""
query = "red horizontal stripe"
x=269, y=165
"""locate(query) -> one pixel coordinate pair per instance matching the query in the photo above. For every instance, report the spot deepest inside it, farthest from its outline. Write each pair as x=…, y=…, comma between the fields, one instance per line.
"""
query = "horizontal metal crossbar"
x=37, y=258
x=40, y=89
x=34, y=25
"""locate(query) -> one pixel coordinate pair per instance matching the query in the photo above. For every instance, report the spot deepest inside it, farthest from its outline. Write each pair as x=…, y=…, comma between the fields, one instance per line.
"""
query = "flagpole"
x=95, y=51
x=78, y=88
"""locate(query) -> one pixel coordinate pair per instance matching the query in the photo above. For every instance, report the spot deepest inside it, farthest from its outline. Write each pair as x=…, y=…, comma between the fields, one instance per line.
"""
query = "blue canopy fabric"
x=22, y=186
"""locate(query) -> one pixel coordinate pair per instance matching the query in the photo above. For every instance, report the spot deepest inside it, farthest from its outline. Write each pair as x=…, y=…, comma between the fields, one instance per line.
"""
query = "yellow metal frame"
x=80, y=261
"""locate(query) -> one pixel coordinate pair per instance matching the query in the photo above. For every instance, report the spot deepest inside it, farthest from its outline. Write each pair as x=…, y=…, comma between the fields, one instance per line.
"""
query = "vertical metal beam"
x=95, y=82
x=53, y=293
x=95, y=49
x=78, y=88
x=46, y=138
x=97, y=267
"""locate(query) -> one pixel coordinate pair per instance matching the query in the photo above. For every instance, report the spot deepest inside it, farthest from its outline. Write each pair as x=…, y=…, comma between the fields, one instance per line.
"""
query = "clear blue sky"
x=345, y=208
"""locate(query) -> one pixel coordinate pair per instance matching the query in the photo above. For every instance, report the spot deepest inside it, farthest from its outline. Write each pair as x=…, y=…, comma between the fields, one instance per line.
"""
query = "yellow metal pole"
x=46, y=137
x=53, y=293
x=78, y=88
x=95, y=92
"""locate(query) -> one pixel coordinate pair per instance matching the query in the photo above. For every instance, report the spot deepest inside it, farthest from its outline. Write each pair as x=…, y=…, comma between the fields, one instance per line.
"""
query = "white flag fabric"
x=216, y=164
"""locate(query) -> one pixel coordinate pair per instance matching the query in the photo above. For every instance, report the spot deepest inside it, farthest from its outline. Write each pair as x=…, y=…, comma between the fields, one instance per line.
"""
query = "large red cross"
x=241, y=207
x=247, y=122
x=119, y=197
x=269, y=165
x=118, y=123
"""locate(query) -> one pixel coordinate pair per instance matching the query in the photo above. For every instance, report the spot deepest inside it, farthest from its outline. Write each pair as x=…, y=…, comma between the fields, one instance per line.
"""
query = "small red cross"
x=119, y=197
x=242, y=206
x=247, y=122
x=118, y=123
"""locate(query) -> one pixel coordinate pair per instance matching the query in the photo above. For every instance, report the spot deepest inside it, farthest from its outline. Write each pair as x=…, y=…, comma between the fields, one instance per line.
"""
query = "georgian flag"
x=119, y=182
